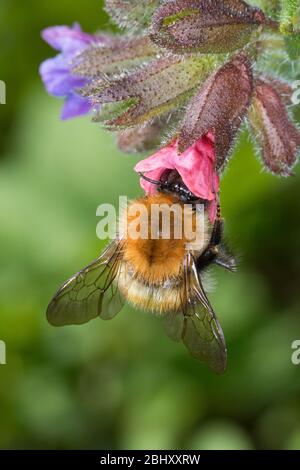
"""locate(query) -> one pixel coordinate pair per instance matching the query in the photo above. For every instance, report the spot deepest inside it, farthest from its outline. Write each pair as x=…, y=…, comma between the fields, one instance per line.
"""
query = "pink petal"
x=164, y=158
x=196, y=171
x=196, y=167
x=212, y=211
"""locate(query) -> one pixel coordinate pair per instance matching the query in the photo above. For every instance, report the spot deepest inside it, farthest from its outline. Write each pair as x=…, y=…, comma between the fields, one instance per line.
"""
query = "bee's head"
x=171, y=182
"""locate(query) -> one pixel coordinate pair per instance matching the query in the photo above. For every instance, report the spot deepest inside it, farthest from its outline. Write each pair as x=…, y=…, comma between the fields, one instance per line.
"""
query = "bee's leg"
x=210, y=254
x=222, y=255
x=225, y=259
x=207, y=257
x=218, y=229
x=216, y=251
x=217, y=233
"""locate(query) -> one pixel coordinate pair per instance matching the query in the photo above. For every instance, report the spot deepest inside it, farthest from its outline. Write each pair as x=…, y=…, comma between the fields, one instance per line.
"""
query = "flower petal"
x=74, y=106
x=196, y=167
x=57, y=78
x=66, y=39
x=164, y=158
x=57, y=74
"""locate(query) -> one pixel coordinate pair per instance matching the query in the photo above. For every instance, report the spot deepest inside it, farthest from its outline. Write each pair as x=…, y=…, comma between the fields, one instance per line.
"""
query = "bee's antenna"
x=158, y=183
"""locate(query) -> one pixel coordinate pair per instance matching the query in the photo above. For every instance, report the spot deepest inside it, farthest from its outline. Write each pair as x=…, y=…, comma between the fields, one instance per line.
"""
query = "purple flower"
x=57, y=73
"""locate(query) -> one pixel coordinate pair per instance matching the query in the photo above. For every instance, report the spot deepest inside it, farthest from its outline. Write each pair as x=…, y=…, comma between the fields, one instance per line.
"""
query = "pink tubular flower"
x=196, y=167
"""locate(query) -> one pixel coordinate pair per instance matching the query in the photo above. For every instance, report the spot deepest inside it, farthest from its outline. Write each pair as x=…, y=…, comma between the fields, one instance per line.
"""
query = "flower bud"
x=131, y=14
x=277, y=136
x=119, y=52
x=219, y=106
x=206, y=26
x=159, y=87
x=283, y=88
x=141, y=139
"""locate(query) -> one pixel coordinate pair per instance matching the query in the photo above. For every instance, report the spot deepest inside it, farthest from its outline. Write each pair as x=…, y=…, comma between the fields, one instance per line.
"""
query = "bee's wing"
x=197, y=325
x=90, y=293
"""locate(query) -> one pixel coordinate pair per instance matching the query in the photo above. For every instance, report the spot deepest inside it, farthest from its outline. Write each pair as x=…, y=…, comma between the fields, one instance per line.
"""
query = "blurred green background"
x=124, y=384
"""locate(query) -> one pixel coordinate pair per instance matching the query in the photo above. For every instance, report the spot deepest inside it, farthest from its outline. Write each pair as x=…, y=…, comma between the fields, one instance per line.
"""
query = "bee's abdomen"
x=159, y=298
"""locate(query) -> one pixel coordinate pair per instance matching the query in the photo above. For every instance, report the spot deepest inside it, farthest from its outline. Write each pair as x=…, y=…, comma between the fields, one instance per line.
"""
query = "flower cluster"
x=183, y=78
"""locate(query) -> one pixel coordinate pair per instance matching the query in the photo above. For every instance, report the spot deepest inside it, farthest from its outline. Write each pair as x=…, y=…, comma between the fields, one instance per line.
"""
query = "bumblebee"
x=157, y=274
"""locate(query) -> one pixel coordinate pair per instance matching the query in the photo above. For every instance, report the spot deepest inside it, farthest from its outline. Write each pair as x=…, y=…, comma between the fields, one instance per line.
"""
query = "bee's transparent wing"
x=197, y=325
x=90, y=293
x=173, y=323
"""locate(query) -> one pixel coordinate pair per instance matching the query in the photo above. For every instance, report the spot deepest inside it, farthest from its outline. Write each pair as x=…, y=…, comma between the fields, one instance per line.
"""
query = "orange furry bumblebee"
x=161, y=274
